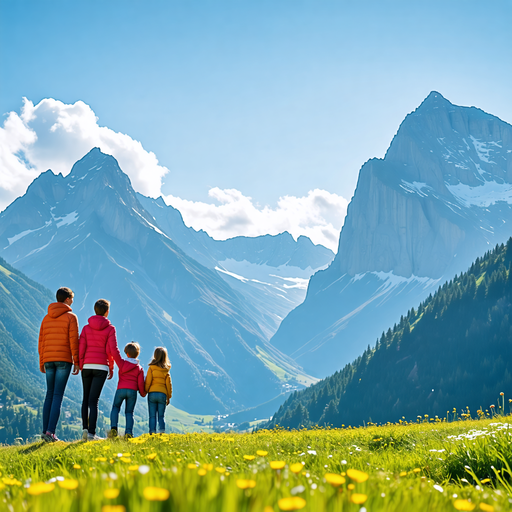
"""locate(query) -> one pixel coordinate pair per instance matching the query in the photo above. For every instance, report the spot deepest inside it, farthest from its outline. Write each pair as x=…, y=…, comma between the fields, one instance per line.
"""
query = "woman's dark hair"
x=101, y=307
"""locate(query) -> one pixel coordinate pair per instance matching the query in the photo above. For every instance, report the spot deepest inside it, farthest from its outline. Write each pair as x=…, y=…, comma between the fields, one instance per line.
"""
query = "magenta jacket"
x=131, y=374
x=98, y=343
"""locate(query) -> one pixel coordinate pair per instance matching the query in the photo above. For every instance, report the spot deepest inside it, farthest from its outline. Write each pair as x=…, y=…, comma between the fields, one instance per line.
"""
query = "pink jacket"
x=131, y=374
x=98, y=342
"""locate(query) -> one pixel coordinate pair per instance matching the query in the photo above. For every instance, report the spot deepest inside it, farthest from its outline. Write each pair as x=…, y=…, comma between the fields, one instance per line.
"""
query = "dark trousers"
x=93, y=381
x=57, y=375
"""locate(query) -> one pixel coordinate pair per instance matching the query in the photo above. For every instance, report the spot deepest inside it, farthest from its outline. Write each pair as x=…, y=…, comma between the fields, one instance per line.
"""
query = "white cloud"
x=54, y=135
x=319, y=215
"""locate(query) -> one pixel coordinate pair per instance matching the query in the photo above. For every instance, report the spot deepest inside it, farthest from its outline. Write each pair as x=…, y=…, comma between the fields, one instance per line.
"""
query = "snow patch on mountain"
x=483, y=196
x=483, y=149
x=66, y=220
x=415, y=187
x=232, y=274
x=17, y=237
x=391, y=280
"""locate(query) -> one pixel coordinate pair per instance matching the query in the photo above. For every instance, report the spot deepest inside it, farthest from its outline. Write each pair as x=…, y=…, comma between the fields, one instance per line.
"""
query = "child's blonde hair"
x=160, y=358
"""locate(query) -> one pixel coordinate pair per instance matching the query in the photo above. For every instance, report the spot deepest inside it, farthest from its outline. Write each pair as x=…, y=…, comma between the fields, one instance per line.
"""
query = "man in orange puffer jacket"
x=58, y=350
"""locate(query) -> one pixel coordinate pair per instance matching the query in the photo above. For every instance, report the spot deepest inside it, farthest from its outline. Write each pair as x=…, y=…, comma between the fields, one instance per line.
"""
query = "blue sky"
x=270, y=98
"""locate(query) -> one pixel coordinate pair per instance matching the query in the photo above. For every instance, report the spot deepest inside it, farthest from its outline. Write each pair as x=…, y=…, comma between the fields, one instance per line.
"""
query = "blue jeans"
x=130, y=395
x=57, y=375
x=156, y=406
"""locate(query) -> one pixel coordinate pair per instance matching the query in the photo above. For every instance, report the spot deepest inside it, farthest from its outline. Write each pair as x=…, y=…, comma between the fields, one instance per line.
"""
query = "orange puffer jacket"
x=58, y=336
x=98, y=342
x=158, y=380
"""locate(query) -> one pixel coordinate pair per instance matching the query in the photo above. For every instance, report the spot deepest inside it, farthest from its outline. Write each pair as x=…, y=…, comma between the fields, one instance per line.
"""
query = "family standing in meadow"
x=94, y=353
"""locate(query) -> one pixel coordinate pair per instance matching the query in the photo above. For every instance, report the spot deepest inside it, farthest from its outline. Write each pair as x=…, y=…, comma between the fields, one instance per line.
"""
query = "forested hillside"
x=454, y=351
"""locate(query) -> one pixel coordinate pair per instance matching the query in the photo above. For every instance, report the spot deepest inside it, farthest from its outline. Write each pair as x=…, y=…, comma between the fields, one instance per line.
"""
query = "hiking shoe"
x=94, y=437
x=52, y=438
x=45, y=437
x=85, y=434
x=128, y=436
x=112, y=433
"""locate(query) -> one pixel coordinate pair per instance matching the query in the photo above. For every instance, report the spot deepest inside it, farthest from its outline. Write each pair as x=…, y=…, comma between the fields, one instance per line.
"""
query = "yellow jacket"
x=158, y=380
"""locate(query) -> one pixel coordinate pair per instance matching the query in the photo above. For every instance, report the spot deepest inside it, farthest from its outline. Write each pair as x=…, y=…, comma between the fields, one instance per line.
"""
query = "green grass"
x=186, y=422
x=5, y=271
x=424, y=466
x=286, y=374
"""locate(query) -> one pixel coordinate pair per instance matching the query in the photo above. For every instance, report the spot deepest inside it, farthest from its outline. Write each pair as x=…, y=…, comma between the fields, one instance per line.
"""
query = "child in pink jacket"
x=131, y=380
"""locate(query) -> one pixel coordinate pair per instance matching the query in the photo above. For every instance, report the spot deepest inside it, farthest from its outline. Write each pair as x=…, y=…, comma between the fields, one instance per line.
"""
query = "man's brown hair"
x=101, y=307
x=64, y=293
x=132, y=349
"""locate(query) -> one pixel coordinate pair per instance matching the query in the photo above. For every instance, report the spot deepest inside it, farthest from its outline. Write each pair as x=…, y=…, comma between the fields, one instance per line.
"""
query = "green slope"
x=454, y=351
x=23, y=304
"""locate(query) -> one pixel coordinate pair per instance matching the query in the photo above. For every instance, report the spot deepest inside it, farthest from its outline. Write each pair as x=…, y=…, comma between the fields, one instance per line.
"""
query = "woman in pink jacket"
x=97, y=346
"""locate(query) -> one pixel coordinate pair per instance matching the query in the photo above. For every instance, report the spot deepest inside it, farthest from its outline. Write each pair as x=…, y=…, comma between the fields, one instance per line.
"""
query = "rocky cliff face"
x=441, y=196
x=410, y=215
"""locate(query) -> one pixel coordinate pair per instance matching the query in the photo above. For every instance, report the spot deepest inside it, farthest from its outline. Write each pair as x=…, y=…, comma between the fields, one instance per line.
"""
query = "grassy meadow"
x=428, y=465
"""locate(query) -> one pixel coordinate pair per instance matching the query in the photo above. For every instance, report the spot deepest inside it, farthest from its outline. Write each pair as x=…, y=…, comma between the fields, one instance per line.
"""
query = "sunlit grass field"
x=462, y=465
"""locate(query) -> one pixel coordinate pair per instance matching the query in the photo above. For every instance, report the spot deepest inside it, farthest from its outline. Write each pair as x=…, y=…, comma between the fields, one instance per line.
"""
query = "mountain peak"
x=95, y=161
x=434, y=100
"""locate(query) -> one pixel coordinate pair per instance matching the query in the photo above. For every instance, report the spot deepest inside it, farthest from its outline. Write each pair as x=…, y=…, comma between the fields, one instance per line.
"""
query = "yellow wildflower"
x=113, y=508
x=358, y=499
x=100, y=459
x=69, y=484
x=134, y=467
x=249, y=457
x=463, y=505
x=403, y=473
x=155, y=494
x=76, y=466
x=297, y=467
x=357, y=476
x=486, y=508
x=261, y=453
x=245, y=484
x=11, y=481
x=351, y=487
x=191, y=466
x=111, y=494
x=220, y=470
x=40, y=488
x=202, y=472
x=294, y=503
x=278, y=464
x=485, y=481
x=152, y=456
x=334, y=479
x=416, y=470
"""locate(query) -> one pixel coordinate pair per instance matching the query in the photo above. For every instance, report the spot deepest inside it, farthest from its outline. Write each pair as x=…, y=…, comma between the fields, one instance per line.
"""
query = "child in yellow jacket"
x=158, y=386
